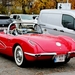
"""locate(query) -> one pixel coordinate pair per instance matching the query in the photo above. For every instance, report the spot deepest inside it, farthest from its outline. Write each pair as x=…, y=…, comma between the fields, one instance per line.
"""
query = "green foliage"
x=17, y=11
x=25, y=4
x=33, y=6
x=3, y=9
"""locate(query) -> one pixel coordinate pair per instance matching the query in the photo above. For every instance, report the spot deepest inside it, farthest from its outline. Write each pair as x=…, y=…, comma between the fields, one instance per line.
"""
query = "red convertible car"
x=30, y=44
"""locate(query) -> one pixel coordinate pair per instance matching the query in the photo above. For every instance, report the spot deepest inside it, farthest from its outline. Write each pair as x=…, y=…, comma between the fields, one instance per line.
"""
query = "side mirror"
x=14, y=17
x=19, y=19
x=70, y=26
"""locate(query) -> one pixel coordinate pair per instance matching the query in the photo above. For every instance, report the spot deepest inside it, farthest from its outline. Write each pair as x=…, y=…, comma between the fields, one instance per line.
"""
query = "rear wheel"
x=19, y=56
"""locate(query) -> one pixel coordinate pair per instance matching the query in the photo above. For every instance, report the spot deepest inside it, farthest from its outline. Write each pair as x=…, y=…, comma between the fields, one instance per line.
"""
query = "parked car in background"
x=58, y=20
x=27, y=44
x=25, y=18
x=5, y=20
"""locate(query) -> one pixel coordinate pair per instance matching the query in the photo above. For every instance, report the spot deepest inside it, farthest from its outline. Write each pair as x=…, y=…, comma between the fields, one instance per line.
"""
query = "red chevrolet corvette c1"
x=25, y=43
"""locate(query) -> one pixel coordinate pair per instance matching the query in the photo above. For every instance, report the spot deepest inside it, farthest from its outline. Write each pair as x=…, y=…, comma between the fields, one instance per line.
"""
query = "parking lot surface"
x=8, y=67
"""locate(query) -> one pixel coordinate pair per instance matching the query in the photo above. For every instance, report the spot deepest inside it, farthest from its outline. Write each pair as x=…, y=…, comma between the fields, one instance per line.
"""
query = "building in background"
x=64, y=6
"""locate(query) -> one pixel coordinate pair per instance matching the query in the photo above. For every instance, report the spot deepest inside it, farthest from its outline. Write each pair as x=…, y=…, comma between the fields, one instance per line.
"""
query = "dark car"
x=5, y=20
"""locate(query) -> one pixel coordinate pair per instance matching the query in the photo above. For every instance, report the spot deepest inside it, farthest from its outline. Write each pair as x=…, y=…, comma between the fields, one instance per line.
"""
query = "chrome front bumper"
x=46, y=54
x=71, y=52
x=39, y=54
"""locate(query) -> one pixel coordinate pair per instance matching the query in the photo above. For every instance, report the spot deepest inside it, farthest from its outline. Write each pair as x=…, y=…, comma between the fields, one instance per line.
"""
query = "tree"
x=34, y=6
x=72, y=3
x=42, y=4
x=24, y=4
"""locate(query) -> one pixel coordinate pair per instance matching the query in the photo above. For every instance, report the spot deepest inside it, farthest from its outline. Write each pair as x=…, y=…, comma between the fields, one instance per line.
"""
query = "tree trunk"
x=56, y=4
x=23, y=7
x=4, y=2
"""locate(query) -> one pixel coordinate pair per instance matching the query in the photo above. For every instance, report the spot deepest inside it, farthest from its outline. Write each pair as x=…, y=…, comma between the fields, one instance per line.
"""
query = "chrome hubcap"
x=19, y=55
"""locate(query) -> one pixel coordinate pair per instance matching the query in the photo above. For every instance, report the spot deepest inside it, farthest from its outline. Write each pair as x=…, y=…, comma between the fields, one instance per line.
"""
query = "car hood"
x=49, y=43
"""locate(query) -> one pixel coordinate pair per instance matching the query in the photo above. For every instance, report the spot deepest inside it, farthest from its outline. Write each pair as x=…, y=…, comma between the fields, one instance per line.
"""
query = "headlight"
x=58, y=44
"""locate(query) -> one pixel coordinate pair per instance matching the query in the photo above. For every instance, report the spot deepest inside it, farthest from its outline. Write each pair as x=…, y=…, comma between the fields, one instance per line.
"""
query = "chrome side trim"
x=71, y=52
x=39, y=54
x=3, y=44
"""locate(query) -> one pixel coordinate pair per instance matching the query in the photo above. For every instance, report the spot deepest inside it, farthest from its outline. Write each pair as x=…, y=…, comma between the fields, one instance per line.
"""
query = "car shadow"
x=7, y=57
x=45, y=64
x=36, y=64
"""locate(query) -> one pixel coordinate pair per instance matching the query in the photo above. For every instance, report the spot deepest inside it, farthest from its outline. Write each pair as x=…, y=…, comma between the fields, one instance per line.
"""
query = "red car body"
x=35, y=46
x=38, y=46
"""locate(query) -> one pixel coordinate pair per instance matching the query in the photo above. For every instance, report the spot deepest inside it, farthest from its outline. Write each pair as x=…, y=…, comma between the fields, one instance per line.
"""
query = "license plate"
x=59, y=58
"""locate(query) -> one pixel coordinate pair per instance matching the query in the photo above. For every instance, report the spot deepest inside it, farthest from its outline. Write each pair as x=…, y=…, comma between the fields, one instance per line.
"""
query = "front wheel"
x=19, y=56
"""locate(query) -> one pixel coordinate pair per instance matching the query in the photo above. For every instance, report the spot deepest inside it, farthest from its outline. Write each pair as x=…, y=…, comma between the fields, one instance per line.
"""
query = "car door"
x=68, y=23
x=66, y=28
x=5, y=44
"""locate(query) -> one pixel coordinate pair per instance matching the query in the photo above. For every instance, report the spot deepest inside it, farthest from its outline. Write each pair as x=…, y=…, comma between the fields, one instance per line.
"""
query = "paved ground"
x=63, y=73
x=8, y=67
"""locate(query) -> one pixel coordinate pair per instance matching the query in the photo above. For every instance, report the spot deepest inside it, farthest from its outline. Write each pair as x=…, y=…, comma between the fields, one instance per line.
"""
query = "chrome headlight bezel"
x=58, y=44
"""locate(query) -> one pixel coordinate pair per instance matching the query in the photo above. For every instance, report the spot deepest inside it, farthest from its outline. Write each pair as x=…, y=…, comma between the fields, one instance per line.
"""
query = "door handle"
x=61, y=31
x=55, y=29
x=43, y=25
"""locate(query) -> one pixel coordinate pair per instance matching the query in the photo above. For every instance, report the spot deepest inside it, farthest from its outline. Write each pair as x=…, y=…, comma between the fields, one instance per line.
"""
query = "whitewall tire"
x=19, y=56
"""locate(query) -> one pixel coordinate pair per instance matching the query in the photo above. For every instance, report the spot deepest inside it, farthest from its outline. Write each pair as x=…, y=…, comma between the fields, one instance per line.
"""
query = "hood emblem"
x=58, y=43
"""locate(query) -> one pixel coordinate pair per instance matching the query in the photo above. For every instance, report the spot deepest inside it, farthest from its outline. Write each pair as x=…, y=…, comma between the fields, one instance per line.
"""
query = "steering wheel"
x=12, y=29
x=22, y=31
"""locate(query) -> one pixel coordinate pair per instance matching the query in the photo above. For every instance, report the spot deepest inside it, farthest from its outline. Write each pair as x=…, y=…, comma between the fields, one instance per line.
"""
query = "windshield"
x=5, y=20
x=24, y=28
x=26, y=17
